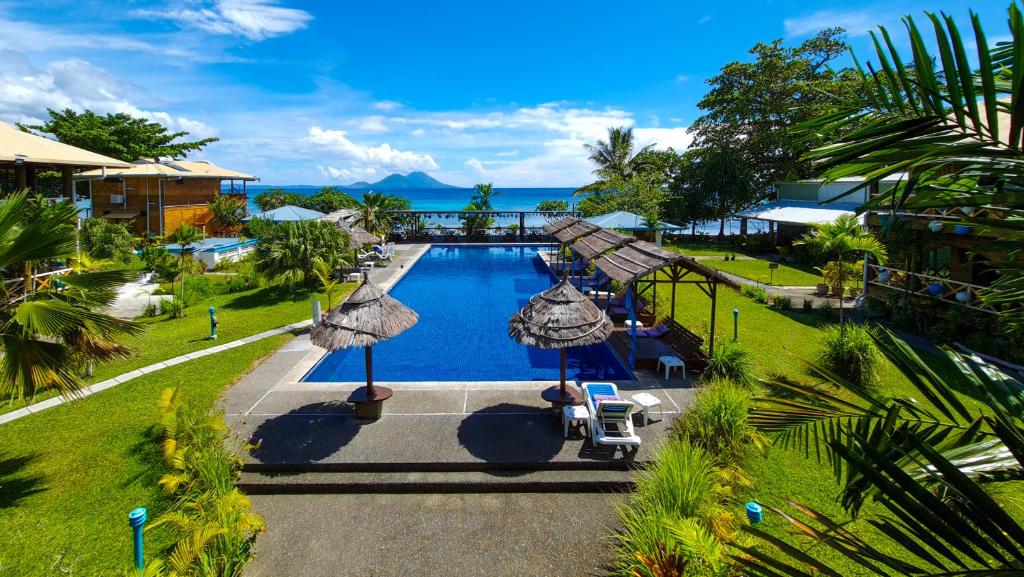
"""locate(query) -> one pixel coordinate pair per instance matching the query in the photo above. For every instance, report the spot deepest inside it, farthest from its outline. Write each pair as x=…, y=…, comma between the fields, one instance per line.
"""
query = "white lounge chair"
x=611, y=420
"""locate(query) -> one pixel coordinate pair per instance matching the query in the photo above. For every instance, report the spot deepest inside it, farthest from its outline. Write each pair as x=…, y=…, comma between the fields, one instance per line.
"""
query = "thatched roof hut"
x=559, y=318
x=369, y=315
x=553, y=227
x=600, y=242
x=358, y=237
x=575, y=230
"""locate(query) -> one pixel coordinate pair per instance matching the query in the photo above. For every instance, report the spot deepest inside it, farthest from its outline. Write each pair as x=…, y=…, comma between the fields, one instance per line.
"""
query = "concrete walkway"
x=134, y=297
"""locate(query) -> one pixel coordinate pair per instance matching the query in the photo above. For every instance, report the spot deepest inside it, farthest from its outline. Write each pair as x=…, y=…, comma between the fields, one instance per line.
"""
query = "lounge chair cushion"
x=599, y=398
x=657, y=331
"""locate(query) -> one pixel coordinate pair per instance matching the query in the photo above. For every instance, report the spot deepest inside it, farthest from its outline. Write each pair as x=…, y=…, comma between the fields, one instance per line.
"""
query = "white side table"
x=355, y=276
x=647, y=402
x=368, y=265
x=629, y=324
x=574, y=415
x=670, y=363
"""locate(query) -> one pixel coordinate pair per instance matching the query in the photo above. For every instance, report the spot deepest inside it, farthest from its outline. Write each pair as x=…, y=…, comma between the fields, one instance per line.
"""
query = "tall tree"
x=615, y=160
x=689, y=201
x=752, y=106
x=484, y=193
x=120, y=135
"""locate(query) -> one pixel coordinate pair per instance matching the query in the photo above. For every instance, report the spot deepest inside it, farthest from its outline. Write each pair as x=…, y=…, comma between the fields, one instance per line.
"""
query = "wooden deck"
x=678, y=342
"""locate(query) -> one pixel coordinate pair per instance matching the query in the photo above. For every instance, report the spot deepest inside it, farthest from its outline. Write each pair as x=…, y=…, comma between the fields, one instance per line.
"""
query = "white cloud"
x=856, y=22
x=678, y=138
x=418, y=132
x=387, y=105
x=476, y=165
x=381, y=157
x=373, y=124
x=507, y=153
x=26, y=92
x=347, y=174
x=254, y=19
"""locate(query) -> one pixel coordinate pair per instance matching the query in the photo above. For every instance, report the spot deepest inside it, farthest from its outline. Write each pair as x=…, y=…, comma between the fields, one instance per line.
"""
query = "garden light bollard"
x=213, y=324
x=136, y=519
x=735, y=324
x=317, y=313
x=754, y=513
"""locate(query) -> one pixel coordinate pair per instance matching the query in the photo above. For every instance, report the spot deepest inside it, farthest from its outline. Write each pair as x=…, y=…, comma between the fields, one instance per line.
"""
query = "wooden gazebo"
x=572, y=233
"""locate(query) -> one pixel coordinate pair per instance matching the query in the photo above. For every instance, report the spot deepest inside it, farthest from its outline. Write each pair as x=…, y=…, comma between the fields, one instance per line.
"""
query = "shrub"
x=246, y=277
x=680, y=515
x=259, y=227
x=228, y=209
x=850, y=352
x=730, y=361
x=827, y=309
x=808, y=305
x=212, y=522
x=104, y=240
x=758, y=294
x=717, y=421
x=782, y=302
x=553, y=205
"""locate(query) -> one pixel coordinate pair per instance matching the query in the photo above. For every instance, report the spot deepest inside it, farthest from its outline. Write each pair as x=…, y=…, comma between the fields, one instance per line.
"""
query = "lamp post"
x=136, y=519
x=735, y=324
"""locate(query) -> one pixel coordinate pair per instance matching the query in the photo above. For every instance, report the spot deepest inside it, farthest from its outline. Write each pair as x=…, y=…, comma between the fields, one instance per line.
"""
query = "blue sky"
x=328, y=93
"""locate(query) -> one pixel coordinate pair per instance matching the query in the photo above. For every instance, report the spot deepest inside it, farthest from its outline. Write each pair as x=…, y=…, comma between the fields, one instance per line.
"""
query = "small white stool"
x=670, y=363
x=368, y=265
x=647, y=402
x=574, y=415
x=629, y=324
x=591, y=292
x=355, y=276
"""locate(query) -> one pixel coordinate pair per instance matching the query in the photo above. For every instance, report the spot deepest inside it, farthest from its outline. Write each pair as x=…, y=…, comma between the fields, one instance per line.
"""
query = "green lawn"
x=785, y=275
x=238, y=315
x=70, y=475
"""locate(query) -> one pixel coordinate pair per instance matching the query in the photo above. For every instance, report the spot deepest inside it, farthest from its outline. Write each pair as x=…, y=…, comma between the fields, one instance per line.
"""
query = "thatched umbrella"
x=368, y=316
x=359, y=237
x=560, y=318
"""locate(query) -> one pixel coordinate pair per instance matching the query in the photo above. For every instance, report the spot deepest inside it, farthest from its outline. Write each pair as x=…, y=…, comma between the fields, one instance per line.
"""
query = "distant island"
x=402, y=182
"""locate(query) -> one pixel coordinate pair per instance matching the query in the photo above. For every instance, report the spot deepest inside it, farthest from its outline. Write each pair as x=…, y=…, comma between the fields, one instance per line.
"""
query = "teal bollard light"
x=735, y=324
x=755, y=514
x=136, y=519
x=213, y=324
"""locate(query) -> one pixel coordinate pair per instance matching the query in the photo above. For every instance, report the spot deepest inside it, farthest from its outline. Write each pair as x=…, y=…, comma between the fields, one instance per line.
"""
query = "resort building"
x=157, y=196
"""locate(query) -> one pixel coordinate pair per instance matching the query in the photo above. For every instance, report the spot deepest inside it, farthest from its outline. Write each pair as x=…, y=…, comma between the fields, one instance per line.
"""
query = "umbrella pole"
x=562, y=351
x=369, y=371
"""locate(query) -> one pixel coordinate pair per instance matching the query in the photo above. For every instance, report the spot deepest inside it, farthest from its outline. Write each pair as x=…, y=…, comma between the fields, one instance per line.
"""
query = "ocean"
x=452, y=199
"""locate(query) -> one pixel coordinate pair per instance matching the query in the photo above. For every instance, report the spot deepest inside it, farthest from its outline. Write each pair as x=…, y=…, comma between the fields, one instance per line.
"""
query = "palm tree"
x=325, y=274
x=184, y=237
x=956, y=128
x=841, y=239
x=484, y=193
x=291, y=250
x=373, y=213
x=614, y=159
x=50, y=328
x=945, y=472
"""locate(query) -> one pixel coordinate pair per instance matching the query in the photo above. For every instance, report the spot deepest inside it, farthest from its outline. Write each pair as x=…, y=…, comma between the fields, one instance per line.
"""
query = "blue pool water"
x=465, y=296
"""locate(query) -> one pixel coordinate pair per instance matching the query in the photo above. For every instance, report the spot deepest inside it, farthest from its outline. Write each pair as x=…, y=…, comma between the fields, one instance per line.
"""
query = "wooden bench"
x=677, y=342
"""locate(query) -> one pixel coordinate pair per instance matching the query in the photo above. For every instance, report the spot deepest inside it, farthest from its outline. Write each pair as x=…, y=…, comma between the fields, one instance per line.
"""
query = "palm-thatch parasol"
x=359, y=237
x=368, y=316
x=560, y=318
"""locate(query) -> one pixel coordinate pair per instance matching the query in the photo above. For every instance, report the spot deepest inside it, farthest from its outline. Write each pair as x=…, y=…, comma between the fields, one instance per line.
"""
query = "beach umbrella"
x=359, y=237
x=560, y=318
x=368, y=316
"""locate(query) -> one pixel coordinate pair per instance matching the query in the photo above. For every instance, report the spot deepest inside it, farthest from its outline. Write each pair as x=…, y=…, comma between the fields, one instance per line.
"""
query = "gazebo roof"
x=575, y=231
x=599, y=242
x=369, y=315
x=564, y=222
x=636, y=260
x=559, y=318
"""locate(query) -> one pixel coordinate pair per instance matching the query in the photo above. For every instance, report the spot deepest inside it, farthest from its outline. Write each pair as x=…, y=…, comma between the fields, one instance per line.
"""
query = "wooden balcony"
x=927, y=286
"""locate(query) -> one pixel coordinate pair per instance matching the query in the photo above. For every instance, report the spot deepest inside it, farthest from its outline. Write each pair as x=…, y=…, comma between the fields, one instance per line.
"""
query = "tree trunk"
x=721, y=228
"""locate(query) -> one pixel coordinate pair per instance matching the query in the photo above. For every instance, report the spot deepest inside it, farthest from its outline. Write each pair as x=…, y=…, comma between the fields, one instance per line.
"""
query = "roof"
x=564, y=222
x=343, y=216
x=624, y=220
x=636, y=260
x=575, y=230
x=799, y=212
x=287, y=213
x=559, y=318
x=167, y=169
x=368, y=316
x=599, y=242
x=212, y=244
x=17, y=144
x=895, y=177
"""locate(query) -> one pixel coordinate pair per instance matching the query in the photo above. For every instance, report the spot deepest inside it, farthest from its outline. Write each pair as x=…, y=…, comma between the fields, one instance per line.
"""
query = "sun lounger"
x=611, y=421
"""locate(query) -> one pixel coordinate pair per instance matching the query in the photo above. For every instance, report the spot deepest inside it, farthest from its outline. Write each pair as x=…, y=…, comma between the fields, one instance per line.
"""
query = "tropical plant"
x=680, y=516
x=615, y=160
x=329, y=199
x=373, y=214
x=291, y=249
x=953, y=123
x=105, y=240
x=851, y=353
x=552, y=206
x=120, y=135
x=717, y=421
x=484, y=193
x=276, y=198
x=185, y=236
x=211, y=521
x=840, y=241
x=941, y=469
x=325, y=273
x=730, y=361
x=228, y=209
x=476, y=224
x=51, y=327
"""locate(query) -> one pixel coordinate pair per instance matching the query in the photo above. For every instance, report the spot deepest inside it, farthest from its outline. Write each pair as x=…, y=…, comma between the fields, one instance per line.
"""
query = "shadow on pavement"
x=510, y=433
x=306, y=434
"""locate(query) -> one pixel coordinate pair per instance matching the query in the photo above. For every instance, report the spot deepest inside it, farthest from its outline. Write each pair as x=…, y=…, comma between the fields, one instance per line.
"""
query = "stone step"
x=437, y=482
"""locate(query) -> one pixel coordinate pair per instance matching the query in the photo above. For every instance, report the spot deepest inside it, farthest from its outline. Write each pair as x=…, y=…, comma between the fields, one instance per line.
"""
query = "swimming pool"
x=465, y=296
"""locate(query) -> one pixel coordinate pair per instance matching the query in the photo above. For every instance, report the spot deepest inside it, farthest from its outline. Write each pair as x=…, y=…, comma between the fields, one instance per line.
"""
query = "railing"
x=40, y=281
x=450, y=226
x=933, y=287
